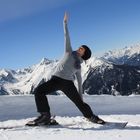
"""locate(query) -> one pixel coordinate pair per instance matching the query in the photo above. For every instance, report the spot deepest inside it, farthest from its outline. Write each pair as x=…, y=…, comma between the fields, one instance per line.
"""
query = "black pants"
x=66, y=86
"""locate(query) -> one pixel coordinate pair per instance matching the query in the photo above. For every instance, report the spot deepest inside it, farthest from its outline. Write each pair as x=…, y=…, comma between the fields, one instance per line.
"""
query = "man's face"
x=81, y=51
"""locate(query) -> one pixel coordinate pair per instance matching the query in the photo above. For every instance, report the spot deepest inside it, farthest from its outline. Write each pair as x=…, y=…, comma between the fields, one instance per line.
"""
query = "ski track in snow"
x=73, y=127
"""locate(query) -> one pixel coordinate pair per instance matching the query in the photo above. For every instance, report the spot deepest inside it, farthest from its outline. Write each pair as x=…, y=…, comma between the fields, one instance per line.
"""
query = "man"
x=62, y=79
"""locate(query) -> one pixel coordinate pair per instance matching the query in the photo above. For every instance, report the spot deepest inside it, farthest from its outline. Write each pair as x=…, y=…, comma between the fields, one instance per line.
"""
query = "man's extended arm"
x=79, y=81
x=68, y=47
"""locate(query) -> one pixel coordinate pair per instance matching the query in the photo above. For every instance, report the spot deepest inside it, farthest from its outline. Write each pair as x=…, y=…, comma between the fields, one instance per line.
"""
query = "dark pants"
x=66, y=86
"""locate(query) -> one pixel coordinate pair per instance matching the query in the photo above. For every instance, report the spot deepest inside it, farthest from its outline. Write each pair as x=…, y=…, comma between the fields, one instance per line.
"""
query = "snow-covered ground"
x=17, y=110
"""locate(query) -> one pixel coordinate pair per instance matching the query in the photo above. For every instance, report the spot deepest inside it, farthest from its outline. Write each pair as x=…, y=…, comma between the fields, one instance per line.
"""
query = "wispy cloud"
x=11, y=9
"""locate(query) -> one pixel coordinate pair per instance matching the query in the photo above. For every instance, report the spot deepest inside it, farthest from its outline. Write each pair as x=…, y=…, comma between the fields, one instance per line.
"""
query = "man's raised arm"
x=68, y=47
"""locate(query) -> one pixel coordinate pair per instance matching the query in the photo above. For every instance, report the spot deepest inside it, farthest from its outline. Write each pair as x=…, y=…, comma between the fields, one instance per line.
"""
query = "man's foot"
x=96, y=119
x=43, y=119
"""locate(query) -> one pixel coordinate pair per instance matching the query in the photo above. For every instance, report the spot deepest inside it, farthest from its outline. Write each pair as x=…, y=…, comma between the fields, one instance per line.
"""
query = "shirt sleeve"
x=79, y=81
x=68, y=47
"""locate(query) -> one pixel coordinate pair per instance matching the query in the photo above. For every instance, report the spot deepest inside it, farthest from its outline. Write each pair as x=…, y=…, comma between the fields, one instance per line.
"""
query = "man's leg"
x=42, y=102
x=41, y=91
x=70, y=90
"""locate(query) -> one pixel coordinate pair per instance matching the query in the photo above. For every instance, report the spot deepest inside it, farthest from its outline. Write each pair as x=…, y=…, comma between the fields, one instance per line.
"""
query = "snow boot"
x=96, y=119
x=43, y=119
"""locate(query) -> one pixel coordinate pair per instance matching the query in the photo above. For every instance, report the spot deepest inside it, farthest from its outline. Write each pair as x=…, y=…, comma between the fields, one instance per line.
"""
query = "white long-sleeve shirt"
x=66, y=67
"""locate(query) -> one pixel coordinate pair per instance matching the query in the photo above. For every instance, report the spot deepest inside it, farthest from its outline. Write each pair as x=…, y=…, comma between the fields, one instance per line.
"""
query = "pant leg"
x=40, y=94
x=70, y=90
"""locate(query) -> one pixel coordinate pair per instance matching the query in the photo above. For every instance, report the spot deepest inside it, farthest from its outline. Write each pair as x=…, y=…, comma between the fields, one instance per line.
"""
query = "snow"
x=127, y=51
x=17, y=110
x=30, y=77
x=3, y=72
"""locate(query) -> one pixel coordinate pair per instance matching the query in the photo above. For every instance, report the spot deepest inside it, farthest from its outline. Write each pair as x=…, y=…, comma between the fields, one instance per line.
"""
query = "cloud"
x=12, y=9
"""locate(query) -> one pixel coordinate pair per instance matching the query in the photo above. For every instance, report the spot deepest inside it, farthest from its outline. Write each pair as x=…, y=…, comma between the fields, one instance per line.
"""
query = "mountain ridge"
x=24, y=81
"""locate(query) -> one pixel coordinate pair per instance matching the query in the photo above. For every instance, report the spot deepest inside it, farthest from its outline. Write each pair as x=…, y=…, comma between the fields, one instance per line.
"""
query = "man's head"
x=84, y=51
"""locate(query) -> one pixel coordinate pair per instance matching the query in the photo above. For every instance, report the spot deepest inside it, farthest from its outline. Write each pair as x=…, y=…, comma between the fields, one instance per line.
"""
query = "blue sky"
x=33, y=29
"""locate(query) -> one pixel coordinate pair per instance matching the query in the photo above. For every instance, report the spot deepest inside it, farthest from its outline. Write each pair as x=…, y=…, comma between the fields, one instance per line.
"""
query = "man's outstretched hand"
x=65, y=18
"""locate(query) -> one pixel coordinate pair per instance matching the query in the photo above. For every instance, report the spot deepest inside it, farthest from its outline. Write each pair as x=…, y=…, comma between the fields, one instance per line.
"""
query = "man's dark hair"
x=87, y=53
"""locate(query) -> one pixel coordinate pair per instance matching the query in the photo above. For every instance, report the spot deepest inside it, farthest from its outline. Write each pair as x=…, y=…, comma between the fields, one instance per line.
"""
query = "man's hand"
x=65, y=18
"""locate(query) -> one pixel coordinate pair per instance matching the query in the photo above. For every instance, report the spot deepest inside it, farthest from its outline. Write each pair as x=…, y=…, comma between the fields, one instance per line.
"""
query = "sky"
x=33, y=29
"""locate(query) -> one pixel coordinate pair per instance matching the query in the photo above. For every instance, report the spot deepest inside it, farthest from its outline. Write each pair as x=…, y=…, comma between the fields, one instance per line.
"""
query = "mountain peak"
x=45, y=61
x=126, y=51
x=128, y=55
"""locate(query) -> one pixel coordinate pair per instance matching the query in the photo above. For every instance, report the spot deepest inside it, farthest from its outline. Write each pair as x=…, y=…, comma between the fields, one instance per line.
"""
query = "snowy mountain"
x=128, y=55
x=106, y=75
x=23, y=81
x=113, y=79
x=7, y=76
x=116, y=72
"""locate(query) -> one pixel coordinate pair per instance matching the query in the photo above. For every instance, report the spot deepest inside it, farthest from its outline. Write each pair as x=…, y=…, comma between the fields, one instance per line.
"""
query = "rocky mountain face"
x=118, y=80
x=119, y=73
x=116, y=73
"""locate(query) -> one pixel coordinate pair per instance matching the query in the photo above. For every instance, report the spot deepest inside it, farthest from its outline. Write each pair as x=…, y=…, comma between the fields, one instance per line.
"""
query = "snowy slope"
x=42, y=71
x=17, y=110
x=93, y=62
